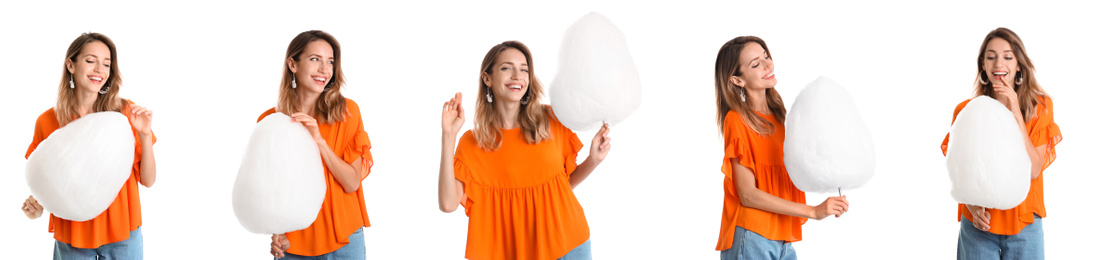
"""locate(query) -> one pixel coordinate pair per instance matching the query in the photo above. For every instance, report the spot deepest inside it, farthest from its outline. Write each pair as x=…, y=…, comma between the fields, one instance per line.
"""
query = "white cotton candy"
x=77, y=172
x=597, y=80
x=281, y=184
x=987, y=157
x=827, y=145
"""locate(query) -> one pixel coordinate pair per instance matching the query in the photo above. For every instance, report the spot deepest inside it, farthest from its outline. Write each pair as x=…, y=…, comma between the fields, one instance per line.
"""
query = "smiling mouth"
x=320, y=80
x=770, y=75
x=1000, y=73
x=95, y=79
x=515, y=86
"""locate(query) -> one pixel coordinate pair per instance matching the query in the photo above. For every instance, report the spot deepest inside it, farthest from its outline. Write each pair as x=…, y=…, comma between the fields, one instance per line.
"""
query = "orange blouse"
x=1042, y=131
x=518, y=199
x=114, y=224
x=342, y=212
x=763, y=154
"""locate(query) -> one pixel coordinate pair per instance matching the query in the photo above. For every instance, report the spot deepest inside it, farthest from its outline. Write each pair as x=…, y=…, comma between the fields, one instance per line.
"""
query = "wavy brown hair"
x=331, y=106
x=731, y=97
x=66, y=96
x=533, y=117
x=1028, y=90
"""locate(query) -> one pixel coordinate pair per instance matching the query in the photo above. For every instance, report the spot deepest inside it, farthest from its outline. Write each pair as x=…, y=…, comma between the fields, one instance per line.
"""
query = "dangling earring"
x=1019, y=77
x=104, y=90
x=490, y=97
x=70, y=83
x=981, y=78
x=293, y=83
x=742, y=95
x=524, y=100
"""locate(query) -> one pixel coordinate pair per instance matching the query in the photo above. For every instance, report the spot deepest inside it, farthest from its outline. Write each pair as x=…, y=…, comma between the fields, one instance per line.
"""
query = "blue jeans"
x=354, y=250
x=977, y=244
x=750, y=245
x=582, y=252
x=131, y=248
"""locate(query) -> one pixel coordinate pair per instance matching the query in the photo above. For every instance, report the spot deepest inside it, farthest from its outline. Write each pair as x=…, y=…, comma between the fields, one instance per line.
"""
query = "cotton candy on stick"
x=597, y=80
x=77, y=172
x=827, y=145
x=987, y=157
x=280, y=185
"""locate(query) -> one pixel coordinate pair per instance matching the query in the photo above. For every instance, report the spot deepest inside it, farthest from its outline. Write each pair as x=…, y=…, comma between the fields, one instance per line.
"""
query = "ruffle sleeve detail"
x=1044, y=131
x=572, y=145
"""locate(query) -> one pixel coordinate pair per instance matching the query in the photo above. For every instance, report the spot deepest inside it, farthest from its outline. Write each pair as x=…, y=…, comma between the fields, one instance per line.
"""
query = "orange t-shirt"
x=764, y=155
x=342, y=213
x=1042, y=131
x=518, y=198
x=115, y=223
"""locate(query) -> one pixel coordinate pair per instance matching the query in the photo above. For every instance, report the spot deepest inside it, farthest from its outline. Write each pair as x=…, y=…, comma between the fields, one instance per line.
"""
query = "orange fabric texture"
x=1042, y=130
x=115, y=223
x=342, y=213
x=764, y=156
x=519, y=201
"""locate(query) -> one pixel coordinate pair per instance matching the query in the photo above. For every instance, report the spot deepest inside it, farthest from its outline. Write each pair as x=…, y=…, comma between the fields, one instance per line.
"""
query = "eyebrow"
x=994, y=51
x=511, y=63
x=758, y=57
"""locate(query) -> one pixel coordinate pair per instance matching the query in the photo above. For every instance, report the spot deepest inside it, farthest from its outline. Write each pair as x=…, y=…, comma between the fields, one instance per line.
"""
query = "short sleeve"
x=39, y=131
x=571, y=145
x=1044, y=131
x=358, y=144
x=946, y=140
x=736, y=143
x=461, y=170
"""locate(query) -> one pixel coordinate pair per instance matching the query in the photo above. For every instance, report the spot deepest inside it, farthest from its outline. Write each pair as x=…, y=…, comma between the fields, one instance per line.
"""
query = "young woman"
x=515, y=172
x=309, y=93
x=1005, y=73
x=90, y=82
x=763, y=211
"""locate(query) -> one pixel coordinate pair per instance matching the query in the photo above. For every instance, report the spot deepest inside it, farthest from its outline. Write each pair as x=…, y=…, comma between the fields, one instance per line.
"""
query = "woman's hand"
x=980, y=217
x=452, y=116
x=1005, y=93
x=832, y=206
x=141, y=119
x=279, y=243
x=600, y=145
x=310, y=124
x=31, y=208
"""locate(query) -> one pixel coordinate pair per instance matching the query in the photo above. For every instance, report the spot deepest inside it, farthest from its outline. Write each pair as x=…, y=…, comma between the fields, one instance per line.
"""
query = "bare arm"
x=597, y=151
x=755, y=198
x=450, y=190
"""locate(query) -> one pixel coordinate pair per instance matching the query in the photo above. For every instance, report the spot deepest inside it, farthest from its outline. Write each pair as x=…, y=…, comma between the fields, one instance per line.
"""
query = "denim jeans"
x=582, y=252
x=977, y=244
x=750, y=245
x=354, y=250
x=131, y=248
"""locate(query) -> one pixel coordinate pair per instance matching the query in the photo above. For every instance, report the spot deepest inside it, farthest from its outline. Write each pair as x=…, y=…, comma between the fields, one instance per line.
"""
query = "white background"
x=209, y=68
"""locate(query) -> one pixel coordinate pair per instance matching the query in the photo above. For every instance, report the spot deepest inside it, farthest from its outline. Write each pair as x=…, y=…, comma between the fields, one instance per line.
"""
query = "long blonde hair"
x=732, y=97
x=66, y=95
x=533, y=117
x=1028, y=89
x=331, y=106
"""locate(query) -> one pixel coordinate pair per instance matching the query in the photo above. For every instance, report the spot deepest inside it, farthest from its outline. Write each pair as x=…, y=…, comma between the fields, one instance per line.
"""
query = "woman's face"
x=509, y=77
x=315, y=68
x=91, y=68
x=756, y=67
x=1000, y=63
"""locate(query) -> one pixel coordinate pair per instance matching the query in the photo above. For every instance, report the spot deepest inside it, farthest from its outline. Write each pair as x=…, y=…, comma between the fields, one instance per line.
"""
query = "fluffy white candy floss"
x=827, y=145
x=281, y=184
x=987, y=157
x=79, y=169
x=597, y=80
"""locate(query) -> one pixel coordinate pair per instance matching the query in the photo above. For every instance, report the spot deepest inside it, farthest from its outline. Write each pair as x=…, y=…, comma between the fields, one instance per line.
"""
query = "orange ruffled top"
x=115, y=223
x=518, y=198
x=763, y=154
x=342, y=212
x=1042, y=131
